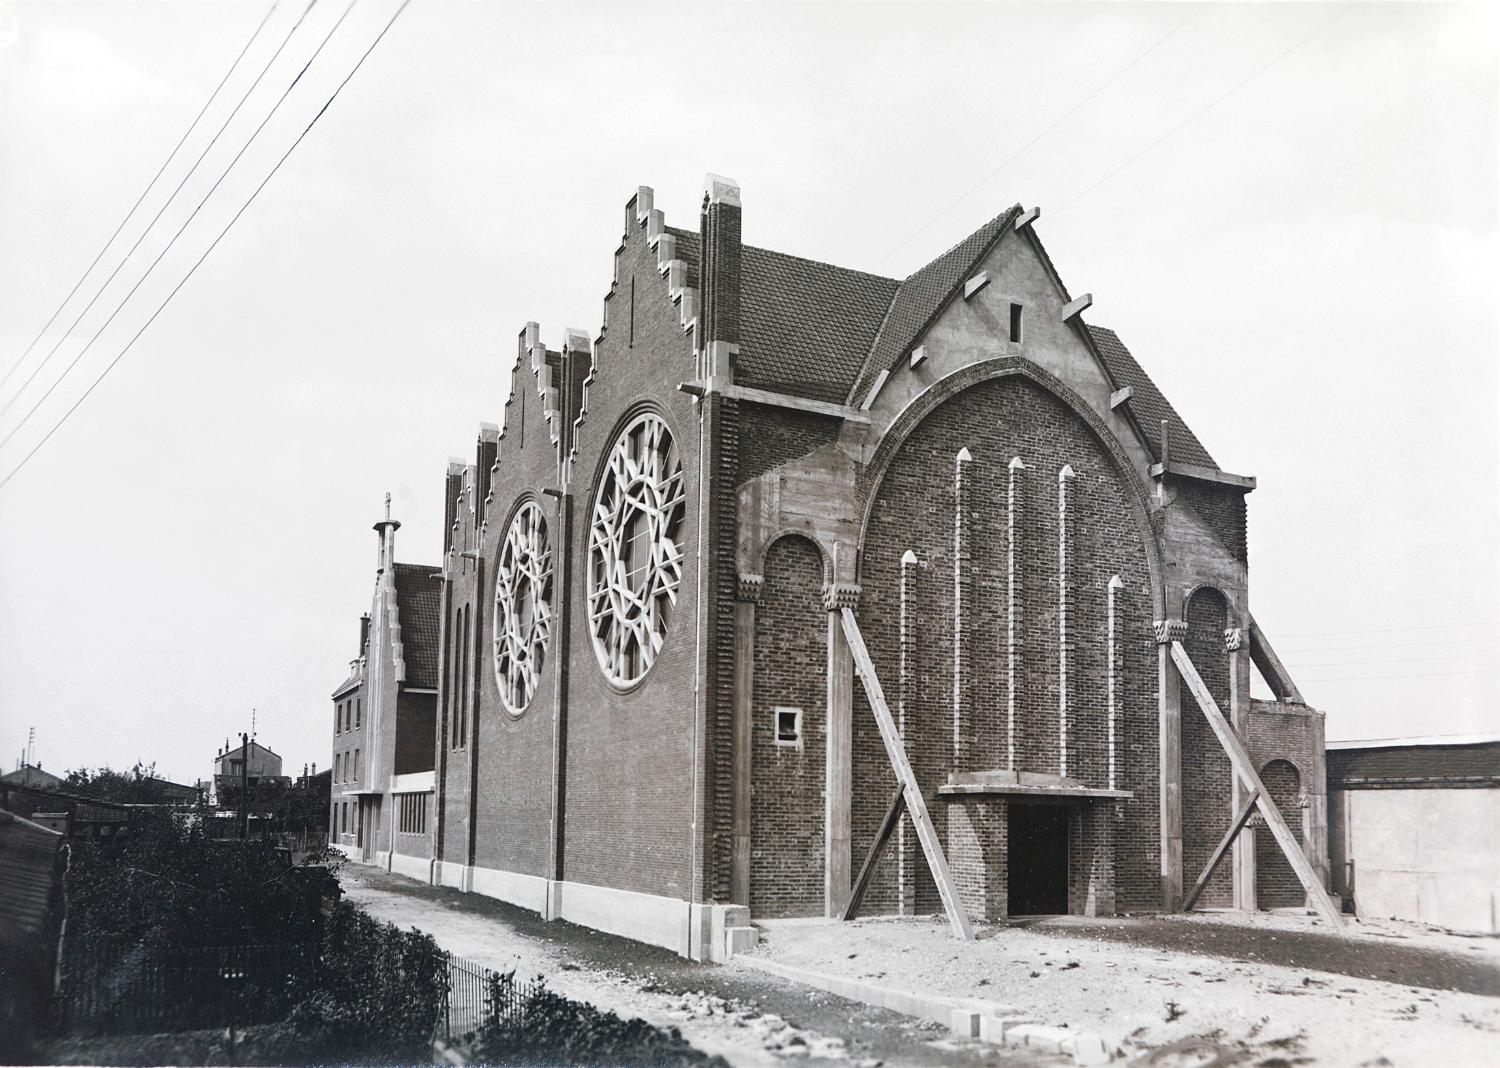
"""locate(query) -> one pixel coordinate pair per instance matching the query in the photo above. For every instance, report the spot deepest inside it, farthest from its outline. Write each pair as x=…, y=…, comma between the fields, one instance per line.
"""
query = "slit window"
x=1015, y=323
x=789, y=726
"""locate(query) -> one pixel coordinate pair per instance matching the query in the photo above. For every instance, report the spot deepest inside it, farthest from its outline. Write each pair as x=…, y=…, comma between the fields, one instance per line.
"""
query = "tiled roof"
x=28, y=874
x=920, y=297
x=419, y=605
x=1476, y=764
x=806, y=326
x=1148, y=403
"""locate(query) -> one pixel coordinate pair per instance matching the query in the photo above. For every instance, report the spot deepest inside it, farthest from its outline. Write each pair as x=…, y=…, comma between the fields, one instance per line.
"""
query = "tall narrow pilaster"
x=961, y=573
x=1112, y=678
x=1064, y=638
x=838, y=782
x=1013, y=495
x=1169, y=753
x=906, y=872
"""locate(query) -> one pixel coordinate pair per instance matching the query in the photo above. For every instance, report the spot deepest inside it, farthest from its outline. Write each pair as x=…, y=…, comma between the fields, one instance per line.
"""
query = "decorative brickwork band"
x=1233, y=639
x=840, y=595
x=1112, y=682
x=750, y=588
x=1012, y=531
x=1064, y=480
x=1170, y=630
x=961, y=571
x=906, y=888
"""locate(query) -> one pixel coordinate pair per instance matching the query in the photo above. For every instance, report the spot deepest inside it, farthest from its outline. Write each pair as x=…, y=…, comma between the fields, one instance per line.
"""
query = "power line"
x=329, y=103
x=149, y=186
x=1388, y=660
x=150, y=225
x=1055, y=124
x=188, y=222
x=1432, y=675
x=1395, y=630
x=1211, y=104
x=1397, y=645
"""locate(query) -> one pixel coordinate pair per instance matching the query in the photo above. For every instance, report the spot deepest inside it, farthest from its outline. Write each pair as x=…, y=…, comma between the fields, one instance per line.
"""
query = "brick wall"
x=913, y=508
x=1276, y=885
x=1206, y=771
x=786, y=814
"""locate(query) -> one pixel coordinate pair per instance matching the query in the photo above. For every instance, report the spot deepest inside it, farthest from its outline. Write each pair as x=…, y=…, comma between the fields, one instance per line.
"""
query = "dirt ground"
x=1278, y=990
x=747, y=1017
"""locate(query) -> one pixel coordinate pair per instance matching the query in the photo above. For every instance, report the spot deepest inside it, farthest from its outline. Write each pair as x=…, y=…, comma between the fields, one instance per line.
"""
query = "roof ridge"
x=823, y=263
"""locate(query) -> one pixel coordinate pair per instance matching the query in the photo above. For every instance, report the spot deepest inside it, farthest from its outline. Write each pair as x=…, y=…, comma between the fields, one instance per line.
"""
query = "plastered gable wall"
x=513, y=809
x=914, y=509
x=630, y=756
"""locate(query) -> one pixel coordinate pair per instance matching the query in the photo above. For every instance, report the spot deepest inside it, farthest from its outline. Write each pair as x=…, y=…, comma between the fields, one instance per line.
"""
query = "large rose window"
x=523, y=607
x=635, y=551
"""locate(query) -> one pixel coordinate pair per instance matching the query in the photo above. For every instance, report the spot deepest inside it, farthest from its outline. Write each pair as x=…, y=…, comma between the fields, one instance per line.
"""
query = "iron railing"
x=479, y=996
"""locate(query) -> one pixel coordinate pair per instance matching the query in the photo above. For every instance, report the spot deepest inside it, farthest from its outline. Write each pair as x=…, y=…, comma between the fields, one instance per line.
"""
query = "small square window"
x=789, y=726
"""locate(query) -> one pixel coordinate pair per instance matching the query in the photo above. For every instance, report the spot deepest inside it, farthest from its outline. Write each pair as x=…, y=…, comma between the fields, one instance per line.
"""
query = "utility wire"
x=188, y=222
x=1211, y=104
x=149, y=186
x=150, y=225
x=1395, y=630
x=1397, y=645
x=329, y=103
x=1433, y=675
x=1388, y=660
x=1020, y=151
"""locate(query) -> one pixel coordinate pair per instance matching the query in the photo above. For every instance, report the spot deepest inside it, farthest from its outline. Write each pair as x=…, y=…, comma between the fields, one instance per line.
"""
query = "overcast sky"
x=1308, y=268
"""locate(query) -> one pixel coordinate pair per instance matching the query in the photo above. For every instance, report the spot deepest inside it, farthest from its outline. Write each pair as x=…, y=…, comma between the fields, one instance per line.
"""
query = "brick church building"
x=792, y=554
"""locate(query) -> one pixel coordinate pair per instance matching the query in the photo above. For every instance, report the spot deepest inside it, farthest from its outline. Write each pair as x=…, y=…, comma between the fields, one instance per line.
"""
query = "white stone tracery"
x=635, y=550
x=523, y=607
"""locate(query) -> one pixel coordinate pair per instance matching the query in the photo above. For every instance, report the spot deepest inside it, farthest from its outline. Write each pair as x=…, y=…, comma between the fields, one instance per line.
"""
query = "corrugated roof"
x=1148, y=402
x=420, y=608
x=920, y=297
x=28, y=874
x=1437, y=764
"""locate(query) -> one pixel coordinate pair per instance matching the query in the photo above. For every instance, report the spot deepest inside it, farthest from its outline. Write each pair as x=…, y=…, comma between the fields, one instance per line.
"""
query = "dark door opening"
x=1036, y=863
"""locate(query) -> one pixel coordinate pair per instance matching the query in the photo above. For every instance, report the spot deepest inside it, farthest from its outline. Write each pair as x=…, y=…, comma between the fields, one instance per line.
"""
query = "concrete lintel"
x=918, y=355
x=1028, y=217
x=1120, y=396
x=975, y=284
x=875, y=390
x=1200, y=473
x=802, y=404
x=1077, y=306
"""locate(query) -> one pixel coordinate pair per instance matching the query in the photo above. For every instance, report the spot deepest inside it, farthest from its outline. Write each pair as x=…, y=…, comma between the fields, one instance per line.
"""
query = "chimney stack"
x=364, y=633
x=386, y=529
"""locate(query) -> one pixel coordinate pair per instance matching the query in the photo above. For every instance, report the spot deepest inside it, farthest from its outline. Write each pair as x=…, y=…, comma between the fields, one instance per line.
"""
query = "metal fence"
x=478, y=996
x=132, y=989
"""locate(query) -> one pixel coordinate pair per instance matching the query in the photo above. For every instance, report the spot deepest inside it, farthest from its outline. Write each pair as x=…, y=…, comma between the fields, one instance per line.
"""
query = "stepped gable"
x=418, y=608
x=920, y=297
x=1148, y=402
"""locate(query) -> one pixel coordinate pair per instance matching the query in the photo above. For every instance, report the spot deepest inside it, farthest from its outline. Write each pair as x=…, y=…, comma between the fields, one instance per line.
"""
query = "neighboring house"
x=383, y=721
x=69, y=814
x=33, y=776
x=1414, y=829
x=770, y=486
x=230, y=770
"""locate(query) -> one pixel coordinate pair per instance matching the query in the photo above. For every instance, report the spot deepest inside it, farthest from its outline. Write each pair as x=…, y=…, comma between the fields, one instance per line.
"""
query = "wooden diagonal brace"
x=1223, y=847
x=1271, y=668
x=915, y=805
x=867, y=869
x=1245, y=768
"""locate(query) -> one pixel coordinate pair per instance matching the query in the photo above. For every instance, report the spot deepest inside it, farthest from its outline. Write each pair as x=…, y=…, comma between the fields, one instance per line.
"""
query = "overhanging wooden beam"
x=1271, y=668
x=1218, y=854
x=1245, y=768
x=932, y=849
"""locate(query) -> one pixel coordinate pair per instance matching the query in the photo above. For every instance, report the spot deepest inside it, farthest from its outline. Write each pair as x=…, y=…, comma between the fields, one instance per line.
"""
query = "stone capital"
x=1170, y=630
x=837, y=595
x=750, y=588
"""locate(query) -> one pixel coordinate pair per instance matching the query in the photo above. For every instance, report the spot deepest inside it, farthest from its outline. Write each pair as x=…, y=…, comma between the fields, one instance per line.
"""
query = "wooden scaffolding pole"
x=1245, y=768
x=915, y=805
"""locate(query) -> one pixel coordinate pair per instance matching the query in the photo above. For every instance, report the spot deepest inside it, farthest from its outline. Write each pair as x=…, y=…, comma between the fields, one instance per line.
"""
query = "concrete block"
x=994, y=1028
x=965, y=1023
x=1087, y=1048
x=1038, y=1037
x=740, y=940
